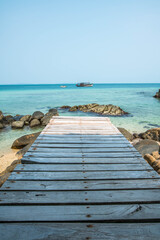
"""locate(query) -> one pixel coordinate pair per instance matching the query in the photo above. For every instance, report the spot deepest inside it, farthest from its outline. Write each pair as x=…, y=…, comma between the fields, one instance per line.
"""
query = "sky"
x=69, y=41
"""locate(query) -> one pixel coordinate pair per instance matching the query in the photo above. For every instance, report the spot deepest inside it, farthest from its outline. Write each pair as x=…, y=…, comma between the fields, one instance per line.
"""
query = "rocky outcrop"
x=127, y=134
x=147, y=147
x=98, y=109
x=157, y=94
x=17, y=124
x=25, y=140
x=65, y=107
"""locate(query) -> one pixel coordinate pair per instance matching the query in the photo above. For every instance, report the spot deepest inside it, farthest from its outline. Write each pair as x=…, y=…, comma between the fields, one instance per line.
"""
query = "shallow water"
x=137, y=99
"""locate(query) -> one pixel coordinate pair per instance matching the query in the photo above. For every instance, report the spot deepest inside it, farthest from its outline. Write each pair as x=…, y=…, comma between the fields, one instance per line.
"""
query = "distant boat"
x=84, y=84
x=63, y=86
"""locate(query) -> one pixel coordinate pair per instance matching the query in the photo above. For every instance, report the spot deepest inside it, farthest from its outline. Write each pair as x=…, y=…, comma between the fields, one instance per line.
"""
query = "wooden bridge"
x=81, y=179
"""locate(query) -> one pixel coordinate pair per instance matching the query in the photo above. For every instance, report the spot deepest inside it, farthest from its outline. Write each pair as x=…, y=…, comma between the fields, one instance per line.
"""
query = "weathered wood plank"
x=79, y=155
x=81, y=150
x=82, y=185
x=80, y=197
x=83, y=175
x=85, y=136
x=80, y=167
x=108, y=213
x=79, y=231
x=115, y=160
x=80, y=145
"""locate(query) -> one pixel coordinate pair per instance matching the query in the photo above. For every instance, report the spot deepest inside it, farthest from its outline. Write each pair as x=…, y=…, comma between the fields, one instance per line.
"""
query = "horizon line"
x=14, y=84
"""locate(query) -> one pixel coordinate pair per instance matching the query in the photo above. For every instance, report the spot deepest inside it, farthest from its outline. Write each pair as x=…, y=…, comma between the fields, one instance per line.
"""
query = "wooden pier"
x=81, y=179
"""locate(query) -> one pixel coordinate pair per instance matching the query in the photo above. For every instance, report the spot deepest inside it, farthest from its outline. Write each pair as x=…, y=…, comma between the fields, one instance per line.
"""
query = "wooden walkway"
x=81, y=179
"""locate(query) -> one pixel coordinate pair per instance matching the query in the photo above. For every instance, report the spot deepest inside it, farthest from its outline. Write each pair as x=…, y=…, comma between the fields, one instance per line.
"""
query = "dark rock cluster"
x=110, y=110
x=19, y=121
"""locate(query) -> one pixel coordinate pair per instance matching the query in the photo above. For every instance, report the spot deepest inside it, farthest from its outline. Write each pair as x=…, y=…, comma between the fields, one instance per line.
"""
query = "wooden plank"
x=79, y=231
x=80, y=197
x=80, y=167
x=96, y=137
x=72, y=141
x=81, y=150
x=115, y=160
x=81, y=185
x=81, y=132
x=38, y=176
x=85, y=155
x=80, y=145
x=108, y=213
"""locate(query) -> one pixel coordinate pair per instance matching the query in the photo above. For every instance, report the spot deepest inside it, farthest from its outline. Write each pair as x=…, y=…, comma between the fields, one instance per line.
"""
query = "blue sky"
x=64, y=41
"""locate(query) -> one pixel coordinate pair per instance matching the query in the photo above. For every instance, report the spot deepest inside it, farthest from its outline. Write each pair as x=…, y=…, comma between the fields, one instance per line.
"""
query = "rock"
x=153, y=134
x=73, y=109
x=127, y=134
x=34, y=123
x=1, y=115
x=1, y=126
x=150, y=159
x=135, y=135
x=99, y=109
x=25, y=140
x=65, y=107
x=136, y=140
x=17, y=117
x=37, y=115
x=9, y=119
x=17, y=124
x=147, y=147
x=21, y=152
x=52, y=112
x=156, y=155
x=157, y=94
x=25, y=118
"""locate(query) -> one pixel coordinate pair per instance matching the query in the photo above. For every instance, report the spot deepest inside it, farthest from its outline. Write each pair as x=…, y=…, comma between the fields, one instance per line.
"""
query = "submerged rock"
x=25, y=140
x=99, y=109
x=147, y=146
x=17, y=124
x=127, y=134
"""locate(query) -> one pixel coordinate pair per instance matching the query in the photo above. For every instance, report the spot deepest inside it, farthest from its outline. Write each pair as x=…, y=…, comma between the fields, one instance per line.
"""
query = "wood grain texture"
x=81, y=180
x=79, y=231
x=10, y=185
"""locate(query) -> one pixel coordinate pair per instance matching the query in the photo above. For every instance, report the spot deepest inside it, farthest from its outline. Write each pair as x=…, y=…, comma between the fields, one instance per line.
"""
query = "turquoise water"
x=137, y=99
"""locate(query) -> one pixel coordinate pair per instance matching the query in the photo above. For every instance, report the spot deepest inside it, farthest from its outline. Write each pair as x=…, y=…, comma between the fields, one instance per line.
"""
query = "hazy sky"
x=56, y=41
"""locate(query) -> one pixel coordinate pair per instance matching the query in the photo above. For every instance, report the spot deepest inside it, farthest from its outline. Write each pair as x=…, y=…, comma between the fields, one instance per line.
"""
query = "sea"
x=137, y=99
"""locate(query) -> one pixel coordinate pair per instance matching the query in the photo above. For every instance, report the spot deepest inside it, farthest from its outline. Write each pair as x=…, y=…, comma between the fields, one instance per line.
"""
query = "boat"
x=63, y=86
x=84, y=84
